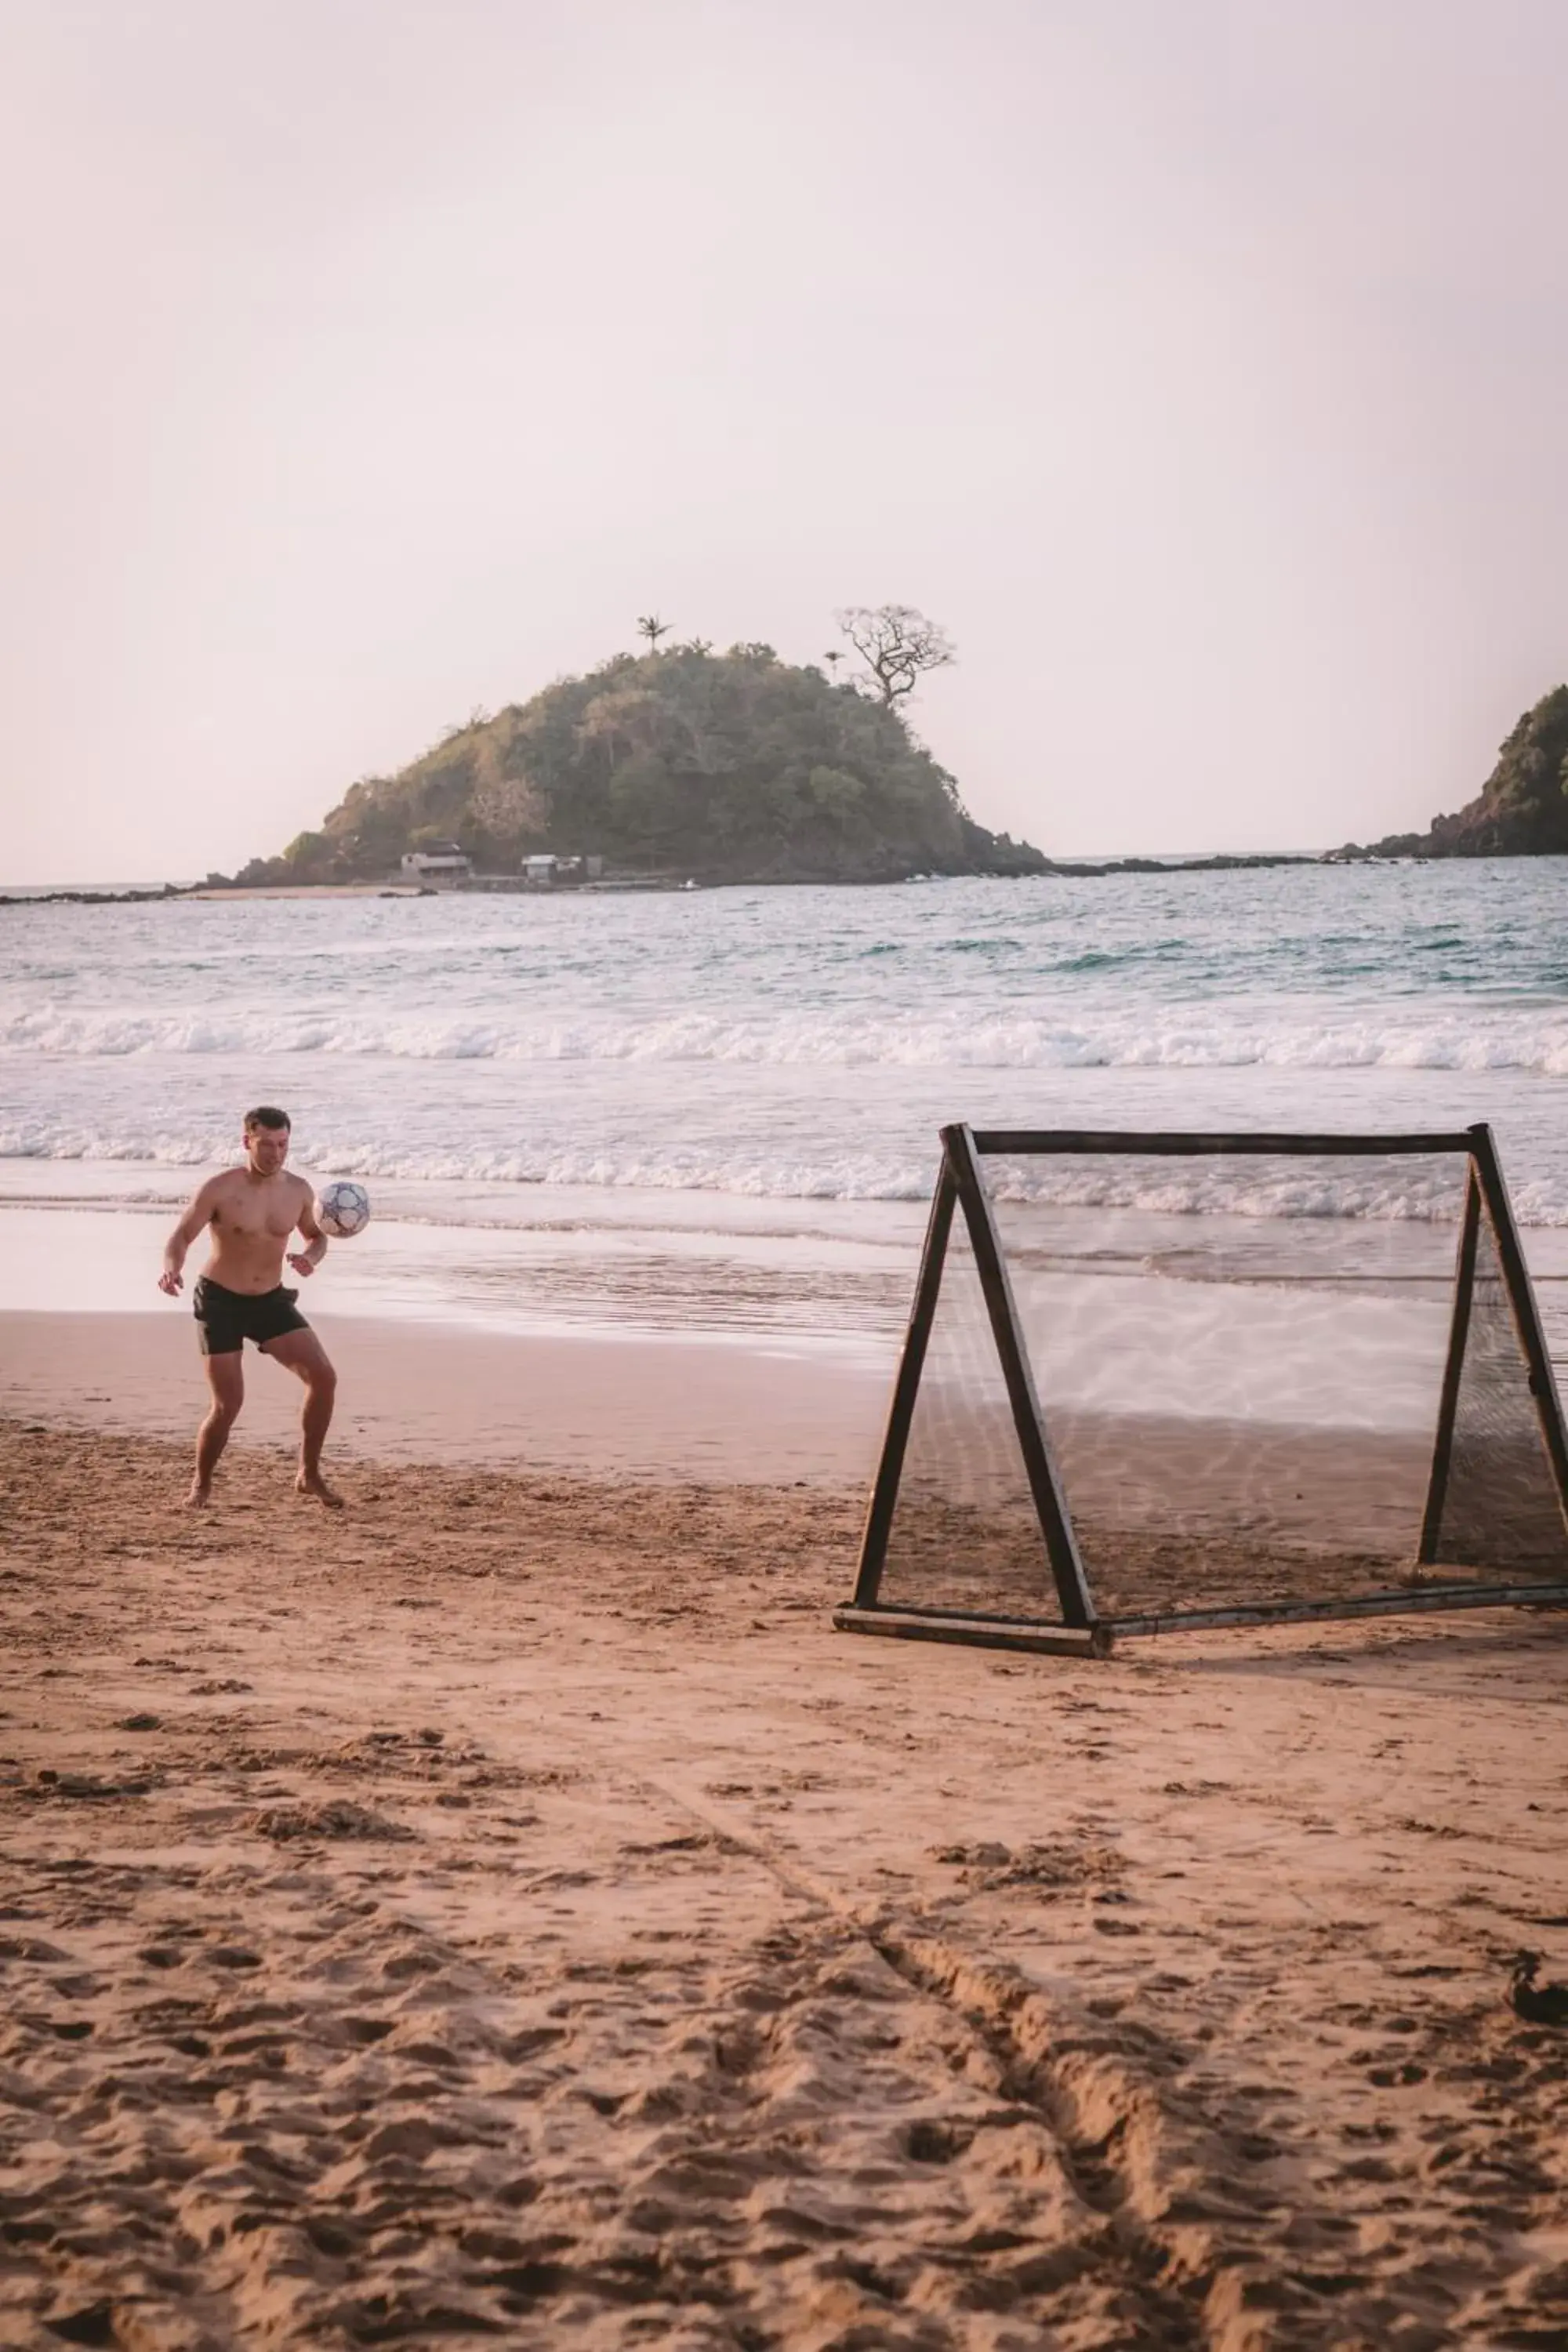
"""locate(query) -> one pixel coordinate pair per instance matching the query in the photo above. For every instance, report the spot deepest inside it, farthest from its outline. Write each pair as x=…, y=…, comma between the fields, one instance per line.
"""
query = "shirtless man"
x=251, y=1213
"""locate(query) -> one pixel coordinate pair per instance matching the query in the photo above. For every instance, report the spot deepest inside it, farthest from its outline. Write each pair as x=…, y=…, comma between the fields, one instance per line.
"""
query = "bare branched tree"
x=897, y=645
x=650, y=627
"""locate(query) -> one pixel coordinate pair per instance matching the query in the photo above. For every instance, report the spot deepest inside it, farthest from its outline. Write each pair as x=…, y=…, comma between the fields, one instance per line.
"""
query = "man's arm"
x=198, y=1213
x=306, y=1260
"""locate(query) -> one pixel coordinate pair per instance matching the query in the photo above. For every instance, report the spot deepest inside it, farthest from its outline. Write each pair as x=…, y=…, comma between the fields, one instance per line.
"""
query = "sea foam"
x=1196, y=1037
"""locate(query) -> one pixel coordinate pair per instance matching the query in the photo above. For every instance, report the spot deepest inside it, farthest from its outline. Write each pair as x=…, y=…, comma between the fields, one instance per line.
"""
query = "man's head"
x=266, y=1138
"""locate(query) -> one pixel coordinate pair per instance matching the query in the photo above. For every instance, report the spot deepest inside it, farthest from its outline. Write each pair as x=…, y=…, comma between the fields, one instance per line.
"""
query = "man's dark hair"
x=268, y=1115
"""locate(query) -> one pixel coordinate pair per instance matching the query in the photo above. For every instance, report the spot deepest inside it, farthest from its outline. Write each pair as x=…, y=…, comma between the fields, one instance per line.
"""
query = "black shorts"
x=227, y=1318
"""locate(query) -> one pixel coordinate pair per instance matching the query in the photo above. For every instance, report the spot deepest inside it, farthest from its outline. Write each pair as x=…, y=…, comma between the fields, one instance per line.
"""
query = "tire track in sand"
x=1107, y=2125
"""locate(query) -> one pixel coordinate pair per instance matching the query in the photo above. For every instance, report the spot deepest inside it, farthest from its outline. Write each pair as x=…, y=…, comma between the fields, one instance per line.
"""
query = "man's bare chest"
x=243, y=1216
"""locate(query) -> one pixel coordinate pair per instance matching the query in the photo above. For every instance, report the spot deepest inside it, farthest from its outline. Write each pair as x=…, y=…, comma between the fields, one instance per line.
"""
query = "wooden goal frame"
x=1081, y=1628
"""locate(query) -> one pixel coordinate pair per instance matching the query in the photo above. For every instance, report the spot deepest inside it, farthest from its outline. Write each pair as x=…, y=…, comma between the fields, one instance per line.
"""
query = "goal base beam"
x=981, y=1632
x=1402, y=1601
x=1096, y=1641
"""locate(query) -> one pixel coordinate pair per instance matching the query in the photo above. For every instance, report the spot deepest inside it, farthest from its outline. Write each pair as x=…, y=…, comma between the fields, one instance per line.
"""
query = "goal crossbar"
x=962, y=1204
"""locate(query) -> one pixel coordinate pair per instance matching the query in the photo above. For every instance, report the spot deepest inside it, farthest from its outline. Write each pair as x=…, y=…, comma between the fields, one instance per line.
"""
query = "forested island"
x=682, y=763
x=1521, y=811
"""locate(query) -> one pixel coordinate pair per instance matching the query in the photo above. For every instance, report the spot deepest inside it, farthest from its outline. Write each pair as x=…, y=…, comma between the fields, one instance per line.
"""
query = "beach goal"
x=1158, y=1381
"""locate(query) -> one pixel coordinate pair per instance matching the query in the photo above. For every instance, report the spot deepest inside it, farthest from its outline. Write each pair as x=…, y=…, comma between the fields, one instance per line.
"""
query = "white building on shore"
x=547, y=870
x=438, y=861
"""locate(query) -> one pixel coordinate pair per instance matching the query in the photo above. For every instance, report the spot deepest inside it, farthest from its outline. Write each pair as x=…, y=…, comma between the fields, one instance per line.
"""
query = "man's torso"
x=251, y=1223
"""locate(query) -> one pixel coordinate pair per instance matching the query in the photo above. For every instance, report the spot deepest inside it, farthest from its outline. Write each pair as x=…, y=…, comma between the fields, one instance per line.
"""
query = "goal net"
x=1163, y=1381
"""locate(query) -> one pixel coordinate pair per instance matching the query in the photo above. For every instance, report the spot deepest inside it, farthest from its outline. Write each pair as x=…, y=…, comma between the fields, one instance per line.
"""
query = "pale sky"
x=1200, y=364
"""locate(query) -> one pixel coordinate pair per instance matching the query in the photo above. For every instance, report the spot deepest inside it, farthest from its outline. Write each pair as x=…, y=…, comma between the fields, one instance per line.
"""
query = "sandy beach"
x=508, y=1912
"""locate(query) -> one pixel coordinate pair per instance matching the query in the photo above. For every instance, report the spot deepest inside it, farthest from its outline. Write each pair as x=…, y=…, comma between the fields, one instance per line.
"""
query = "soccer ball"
x=342, y=1209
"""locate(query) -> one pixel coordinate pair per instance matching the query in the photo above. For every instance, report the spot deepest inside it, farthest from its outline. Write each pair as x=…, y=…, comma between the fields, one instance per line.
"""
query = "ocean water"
x=791, y=1042
x=747, y=1062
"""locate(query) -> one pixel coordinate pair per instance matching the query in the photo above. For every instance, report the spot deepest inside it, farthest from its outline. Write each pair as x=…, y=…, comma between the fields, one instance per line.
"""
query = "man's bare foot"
x=311, y=1483
x=199, y=1496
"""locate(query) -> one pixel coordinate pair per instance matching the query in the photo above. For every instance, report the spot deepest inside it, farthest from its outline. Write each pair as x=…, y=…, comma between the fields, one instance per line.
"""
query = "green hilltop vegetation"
x=723, y=767
x=1521, y=811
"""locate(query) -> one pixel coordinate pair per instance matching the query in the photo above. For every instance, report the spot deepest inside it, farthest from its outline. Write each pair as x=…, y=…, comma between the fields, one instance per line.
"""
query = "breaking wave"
x=807, y=1045
x=1196, y=1036
x=1415, y=1190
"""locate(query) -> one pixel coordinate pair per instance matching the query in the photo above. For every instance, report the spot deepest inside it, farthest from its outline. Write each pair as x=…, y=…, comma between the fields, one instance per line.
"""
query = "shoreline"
x=509, y=885
x=829, y=1282
x=490, y=885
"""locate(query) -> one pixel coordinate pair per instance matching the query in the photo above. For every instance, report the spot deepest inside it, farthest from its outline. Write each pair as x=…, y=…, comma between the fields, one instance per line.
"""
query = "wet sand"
x=638, y=1406
x=507, y=1912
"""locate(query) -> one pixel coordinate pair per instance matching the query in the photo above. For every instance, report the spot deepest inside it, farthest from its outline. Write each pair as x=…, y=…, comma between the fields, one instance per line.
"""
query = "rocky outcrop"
x=1521, y=811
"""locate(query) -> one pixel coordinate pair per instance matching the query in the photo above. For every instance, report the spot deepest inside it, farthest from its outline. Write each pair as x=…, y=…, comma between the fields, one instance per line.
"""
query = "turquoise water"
x=789, y=1045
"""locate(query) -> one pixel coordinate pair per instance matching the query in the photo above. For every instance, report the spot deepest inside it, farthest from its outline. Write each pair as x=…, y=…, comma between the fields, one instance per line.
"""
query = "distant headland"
x=1521, y=811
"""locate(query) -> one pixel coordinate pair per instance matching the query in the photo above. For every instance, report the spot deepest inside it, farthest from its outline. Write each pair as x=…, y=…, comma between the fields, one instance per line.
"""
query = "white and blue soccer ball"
x=342, y=1209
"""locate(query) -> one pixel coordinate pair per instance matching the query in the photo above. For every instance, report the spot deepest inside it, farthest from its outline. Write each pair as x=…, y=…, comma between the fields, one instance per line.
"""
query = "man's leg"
x=226, y=1378
x=303, y=1353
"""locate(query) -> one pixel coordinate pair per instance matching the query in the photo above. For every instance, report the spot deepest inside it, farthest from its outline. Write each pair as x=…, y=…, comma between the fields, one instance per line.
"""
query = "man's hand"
x=172, y=1280
x=302, y=1263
